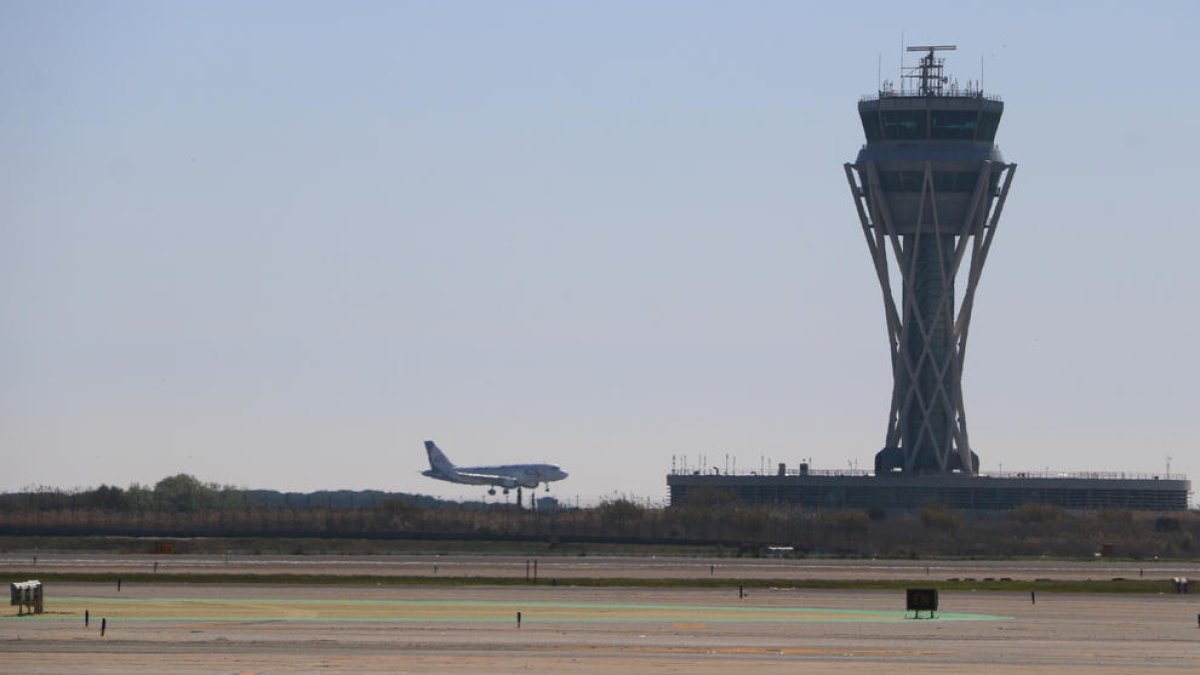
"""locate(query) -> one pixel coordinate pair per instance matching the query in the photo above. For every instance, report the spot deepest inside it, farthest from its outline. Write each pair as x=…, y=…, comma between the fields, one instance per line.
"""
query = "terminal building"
x=929, y=186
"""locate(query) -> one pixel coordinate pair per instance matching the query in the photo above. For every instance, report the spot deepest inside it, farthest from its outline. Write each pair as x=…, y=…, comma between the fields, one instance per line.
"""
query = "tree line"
x=183, y=493
x=182, y=506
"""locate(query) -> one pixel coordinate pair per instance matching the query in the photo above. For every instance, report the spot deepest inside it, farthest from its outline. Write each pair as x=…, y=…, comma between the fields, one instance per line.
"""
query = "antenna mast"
x=928, y=72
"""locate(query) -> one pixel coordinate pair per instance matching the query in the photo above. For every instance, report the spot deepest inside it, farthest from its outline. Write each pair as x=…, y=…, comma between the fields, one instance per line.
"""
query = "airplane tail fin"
x=437, y=459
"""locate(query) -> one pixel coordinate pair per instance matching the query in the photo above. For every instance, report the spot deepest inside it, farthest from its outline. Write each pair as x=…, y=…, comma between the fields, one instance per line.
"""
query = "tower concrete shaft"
x=929, y=187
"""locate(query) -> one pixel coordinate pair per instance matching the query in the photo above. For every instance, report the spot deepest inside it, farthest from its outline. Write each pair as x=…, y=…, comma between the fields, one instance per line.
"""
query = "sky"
x=280, y=244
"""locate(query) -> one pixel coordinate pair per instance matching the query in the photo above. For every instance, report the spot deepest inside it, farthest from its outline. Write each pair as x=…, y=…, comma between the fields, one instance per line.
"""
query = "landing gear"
x=492, y=491
x=519, y=502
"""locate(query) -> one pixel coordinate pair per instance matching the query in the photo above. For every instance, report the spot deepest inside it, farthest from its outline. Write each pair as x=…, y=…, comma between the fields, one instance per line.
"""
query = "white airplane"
x=505, y=477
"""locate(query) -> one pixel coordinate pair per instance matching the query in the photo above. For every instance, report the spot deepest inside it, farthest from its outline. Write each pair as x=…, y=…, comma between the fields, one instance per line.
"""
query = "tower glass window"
x=955, y=181
x=870, y=122
x=902, y=125
x=953, y=125
x=988, y=122
x=901, y=181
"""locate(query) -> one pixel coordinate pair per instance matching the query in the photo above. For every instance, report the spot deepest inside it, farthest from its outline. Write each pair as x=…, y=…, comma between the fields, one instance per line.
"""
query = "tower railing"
x=912, y=94
x=1044, y=474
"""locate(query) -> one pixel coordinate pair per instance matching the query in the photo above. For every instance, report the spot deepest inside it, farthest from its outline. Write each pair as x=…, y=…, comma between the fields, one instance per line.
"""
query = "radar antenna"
x=928, y=73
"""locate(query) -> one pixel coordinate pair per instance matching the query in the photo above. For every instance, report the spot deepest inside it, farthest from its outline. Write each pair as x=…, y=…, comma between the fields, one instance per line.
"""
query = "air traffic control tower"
x=929, y=186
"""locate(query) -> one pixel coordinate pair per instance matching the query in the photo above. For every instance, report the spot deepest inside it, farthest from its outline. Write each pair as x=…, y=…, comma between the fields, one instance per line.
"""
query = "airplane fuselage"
x=506, y=476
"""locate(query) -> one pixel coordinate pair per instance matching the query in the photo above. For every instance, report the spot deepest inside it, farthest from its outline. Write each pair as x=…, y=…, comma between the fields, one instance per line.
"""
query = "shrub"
x=1037, y=513
x=847, y=521
x=1165, y=524
x=619, y=512
x=939, y=517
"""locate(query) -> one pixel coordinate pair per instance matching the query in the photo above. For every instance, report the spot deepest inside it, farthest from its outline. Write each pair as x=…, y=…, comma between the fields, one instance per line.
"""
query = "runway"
x=451, y=611
x=202, y=628
x=568, y=567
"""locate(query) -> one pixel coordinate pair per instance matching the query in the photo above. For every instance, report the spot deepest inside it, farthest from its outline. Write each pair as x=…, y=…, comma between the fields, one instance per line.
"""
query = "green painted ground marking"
x=576, y=612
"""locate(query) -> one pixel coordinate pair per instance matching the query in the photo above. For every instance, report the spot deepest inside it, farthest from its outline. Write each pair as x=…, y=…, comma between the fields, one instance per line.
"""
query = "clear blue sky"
x=279, y=244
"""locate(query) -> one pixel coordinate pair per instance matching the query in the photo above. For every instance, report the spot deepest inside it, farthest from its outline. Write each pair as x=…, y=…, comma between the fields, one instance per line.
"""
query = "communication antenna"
x=928, y=71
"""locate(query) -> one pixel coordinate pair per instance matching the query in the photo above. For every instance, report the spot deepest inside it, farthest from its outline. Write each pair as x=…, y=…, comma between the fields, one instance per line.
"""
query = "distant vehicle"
x=505, y=477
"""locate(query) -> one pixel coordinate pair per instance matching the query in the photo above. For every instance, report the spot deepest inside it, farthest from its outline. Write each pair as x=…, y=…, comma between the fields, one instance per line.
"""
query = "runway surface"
x=567, y=567
x=234, y=609
x=185, y=628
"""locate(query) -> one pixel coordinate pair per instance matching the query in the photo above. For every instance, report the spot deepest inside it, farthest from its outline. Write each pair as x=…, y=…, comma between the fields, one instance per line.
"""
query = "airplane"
x=505, y=477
